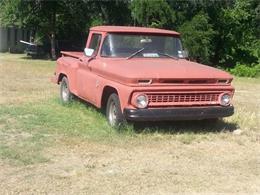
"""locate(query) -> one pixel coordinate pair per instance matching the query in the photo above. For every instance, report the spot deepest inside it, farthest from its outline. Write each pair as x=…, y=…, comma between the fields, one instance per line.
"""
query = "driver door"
x=86, y=78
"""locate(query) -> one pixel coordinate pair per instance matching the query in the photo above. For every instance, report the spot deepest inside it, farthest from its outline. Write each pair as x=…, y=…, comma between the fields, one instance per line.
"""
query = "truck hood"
x=132, y=70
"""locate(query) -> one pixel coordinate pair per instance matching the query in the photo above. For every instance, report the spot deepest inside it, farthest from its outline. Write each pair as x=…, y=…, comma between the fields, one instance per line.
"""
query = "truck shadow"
x=173, y=127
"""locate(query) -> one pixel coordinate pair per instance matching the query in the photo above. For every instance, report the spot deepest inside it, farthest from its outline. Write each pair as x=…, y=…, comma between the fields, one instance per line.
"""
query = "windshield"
x=141, y=45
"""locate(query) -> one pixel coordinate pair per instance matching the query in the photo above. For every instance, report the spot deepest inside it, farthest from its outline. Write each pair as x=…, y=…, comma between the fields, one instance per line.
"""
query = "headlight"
x=225, y=99
x=141, y=101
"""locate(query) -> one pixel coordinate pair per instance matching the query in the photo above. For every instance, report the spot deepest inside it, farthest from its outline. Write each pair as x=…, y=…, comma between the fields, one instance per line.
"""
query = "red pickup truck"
x=142, y=74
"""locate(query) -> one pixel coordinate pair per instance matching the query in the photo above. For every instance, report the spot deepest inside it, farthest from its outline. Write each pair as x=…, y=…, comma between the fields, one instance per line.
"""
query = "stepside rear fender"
x=67, y=66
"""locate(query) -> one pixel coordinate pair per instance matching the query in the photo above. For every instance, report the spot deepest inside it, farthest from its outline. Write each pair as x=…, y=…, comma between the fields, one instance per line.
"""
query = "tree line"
x=216, y=32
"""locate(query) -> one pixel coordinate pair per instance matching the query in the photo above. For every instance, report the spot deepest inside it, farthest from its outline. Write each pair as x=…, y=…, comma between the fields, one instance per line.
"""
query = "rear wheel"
x=114, y=114
x=65, y=94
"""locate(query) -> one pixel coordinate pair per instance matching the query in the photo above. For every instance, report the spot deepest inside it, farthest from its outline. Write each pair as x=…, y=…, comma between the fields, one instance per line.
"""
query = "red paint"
x=171, y=79
x=128, y=29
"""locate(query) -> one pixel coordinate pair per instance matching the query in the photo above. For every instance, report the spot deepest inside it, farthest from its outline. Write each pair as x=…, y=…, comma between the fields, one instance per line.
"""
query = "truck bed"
x=74, y=54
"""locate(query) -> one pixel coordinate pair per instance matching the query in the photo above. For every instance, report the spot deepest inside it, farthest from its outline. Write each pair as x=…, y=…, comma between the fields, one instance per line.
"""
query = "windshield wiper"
x=167, y=55
x=135, y=53
x=162, y=54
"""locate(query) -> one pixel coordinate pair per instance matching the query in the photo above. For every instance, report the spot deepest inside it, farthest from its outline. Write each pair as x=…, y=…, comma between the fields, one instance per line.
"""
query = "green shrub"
x=246, y=71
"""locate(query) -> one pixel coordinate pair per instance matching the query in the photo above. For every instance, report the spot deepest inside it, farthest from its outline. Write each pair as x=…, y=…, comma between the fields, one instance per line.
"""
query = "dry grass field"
x=46, y=147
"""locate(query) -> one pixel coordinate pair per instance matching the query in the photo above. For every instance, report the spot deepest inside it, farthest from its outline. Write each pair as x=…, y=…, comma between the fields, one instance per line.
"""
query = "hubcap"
x=112, y=114
x=65, y=92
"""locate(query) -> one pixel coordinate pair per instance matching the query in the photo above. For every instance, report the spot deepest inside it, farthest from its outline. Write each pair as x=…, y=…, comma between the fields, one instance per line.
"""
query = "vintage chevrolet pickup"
x=142, y=74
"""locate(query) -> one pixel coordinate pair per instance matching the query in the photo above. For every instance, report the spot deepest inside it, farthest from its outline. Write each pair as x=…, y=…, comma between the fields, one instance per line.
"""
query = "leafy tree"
x=64, y=18
x=197, y=37
x=37, y=15
x=73, y=22
x=238, y=31
x=114, y=12
x=216, y=32
x=152, y=13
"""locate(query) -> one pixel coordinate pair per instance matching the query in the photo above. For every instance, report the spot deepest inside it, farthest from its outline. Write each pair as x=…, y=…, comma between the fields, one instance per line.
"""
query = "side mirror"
x=88, y=52
x=183, y=54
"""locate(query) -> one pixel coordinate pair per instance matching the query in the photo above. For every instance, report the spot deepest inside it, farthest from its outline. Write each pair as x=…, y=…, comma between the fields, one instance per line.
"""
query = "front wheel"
x=65, y=94
x=114, y=114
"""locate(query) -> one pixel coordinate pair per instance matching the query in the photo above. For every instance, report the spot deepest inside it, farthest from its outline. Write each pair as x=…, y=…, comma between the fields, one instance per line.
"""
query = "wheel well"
x=61, y=77
x=107, y=91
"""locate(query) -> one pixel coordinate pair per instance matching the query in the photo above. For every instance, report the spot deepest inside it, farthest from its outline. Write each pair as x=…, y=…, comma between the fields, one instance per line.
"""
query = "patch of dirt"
x=223, y=163
x=157, y=167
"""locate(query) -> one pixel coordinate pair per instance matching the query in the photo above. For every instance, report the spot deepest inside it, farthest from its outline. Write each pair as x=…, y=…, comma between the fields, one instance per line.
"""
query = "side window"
x=95, y=42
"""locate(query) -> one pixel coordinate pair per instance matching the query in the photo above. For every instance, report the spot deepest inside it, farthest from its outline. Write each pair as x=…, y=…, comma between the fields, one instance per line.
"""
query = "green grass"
x=32, y=117
x=35, y=126
x=25, y=152
x=75, y=119
x=29, y=128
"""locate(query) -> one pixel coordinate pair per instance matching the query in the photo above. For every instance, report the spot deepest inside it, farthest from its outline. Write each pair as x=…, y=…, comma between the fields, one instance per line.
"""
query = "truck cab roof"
x=131, y=29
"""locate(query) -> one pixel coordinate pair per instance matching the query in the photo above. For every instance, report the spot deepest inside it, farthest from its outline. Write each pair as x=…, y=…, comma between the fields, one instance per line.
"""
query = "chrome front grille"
x=178, y=99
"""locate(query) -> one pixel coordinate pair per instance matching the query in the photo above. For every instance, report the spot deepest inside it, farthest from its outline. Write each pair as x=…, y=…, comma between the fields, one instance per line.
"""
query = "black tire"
x=114, y=114
x=65, y=95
